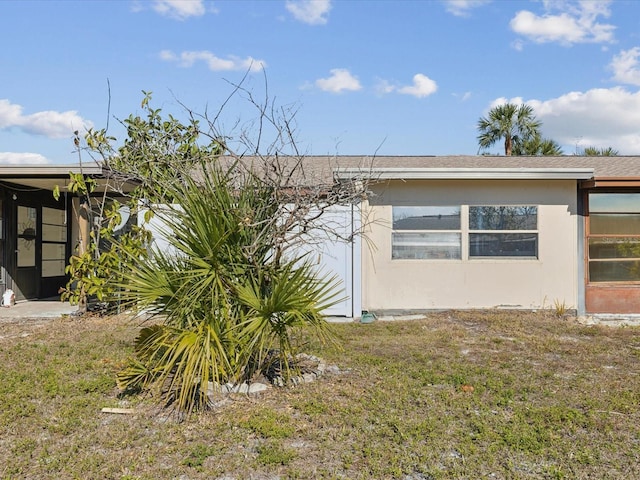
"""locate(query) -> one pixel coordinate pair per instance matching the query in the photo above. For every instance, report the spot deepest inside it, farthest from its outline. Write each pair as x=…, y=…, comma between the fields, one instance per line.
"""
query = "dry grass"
x=457, y=395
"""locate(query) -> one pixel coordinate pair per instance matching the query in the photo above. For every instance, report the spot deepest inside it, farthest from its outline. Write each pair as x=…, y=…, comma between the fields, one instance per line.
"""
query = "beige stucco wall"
x=473, y=283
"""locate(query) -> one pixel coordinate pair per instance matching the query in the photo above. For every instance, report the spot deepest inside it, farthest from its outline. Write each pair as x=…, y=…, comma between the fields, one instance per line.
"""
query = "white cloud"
x=179, y=9
x=313, y=12
x=571, y=22
x=339, y=81
x=464, y=97
x=12, y=158
x=626, y=67
x=47, y=123
x=422, y=86
x=383, y=87
x=599, y=117
x=214, y=63
x=462, y=8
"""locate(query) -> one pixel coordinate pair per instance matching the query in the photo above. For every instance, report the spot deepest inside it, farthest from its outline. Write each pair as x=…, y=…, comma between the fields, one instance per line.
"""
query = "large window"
x=614, y=237
x=431, y=232
x=426, y=233
x=503, y=231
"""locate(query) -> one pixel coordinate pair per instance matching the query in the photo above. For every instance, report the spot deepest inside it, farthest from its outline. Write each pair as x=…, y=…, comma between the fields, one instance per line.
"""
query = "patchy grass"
x=456, y=395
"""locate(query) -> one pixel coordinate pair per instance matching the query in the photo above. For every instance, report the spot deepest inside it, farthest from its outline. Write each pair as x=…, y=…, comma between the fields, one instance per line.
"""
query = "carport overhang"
x=48, y=177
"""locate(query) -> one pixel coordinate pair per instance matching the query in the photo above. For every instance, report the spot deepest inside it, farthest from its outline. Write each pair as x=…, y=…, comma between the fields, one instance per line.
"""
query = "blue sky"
x=364, y=77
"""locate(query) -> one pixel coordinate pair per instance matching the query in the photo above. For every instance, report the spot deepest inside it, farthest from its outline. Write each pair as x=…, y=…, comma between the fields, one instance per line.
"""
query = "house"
x=514, y=232
x=442, y=232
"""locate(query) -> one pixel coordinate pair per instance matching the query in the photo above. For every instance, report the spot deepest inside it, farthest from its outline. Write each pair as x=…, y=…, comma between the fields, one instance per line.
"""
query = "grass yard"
x=500, y=395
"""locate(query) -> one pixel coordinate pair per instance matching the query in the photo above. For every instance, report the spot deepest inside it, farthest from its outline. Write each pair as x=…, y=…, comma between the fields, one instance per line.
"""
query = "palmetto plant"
x=225, y=292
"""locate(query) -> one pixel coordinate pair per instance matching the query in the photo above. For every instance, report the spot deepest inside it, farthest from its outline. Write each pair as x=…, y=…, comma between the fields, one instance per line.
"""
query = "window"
x=426, y=233
x=614, y=237
x=440, y=232
x=54, y=240
x=503, y=231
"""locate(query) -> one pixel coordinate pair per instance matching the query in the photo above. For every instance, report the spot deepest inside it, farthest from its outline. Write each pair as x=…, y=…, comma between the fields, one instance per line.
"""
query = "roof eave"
x=25, y=171
x=465, y=173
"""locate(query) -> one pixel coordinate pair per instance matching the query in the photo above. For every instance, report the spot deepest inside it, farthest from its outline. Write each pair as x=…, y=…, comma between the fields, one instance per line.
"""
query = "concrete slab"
x=36, y=309
x=611, y=320
x=339, y=319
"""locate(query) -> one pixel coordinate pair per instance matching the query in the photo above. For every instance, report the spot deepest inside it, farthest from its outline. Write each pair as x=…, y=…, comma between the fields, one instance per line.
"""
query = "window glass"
x=426, y=232
x=426, y=218
x=503, y=244
x=440, y=245
x=53, y=216
x=503, y=218
x=614, y=202
x=54, y=237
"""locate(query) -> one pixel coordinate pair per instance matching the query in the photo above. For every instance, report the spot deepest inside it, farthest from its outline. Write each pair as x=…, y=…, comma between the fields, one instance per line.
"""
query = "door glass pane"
x=614, y=224
x=26, y=236
x=614, y=202
x=614, y=271
x=614, y=247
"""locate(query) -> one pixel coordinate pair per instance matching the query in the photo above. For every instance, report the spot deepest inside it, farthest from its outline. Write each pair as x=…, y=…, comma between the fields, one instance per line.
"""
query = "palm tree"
x=599, y=152
x=537, y=146
x=513, y=123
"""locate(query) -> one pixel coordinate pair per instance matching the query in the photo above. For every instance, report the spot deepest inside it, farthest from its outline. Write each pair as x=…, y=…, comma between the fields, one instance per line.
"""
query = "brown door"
x=613, y=252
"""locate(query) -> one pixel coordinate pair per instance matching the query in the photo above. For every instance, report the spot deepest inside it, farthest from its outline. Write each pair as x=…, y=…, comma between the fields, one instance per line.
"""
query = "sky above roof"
x=359, y=77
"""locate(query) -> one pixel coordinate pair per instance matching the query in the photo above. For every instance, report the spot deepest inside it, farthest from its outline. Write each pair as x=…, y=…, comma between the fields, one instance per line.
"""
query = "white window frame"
x=426, y=231
x=465, y=233
x=496, y=231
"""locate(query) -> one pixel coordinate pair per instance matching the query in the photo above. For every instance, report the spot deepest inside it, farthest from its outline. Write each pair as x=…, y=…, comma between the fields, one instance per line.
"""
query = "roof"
x=324, y=169
x=464, y=166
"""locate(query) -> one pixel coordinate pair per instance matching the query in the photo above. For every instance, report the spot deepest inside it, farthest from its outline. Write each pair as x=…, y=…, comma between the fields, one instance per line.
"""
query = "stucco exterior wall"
x=405, y=285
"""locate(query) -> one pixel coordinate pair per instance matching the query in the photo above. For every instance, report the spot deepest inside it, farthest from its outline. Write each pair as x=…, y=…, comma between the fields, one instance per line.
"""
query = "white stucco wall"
x=390, y=285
